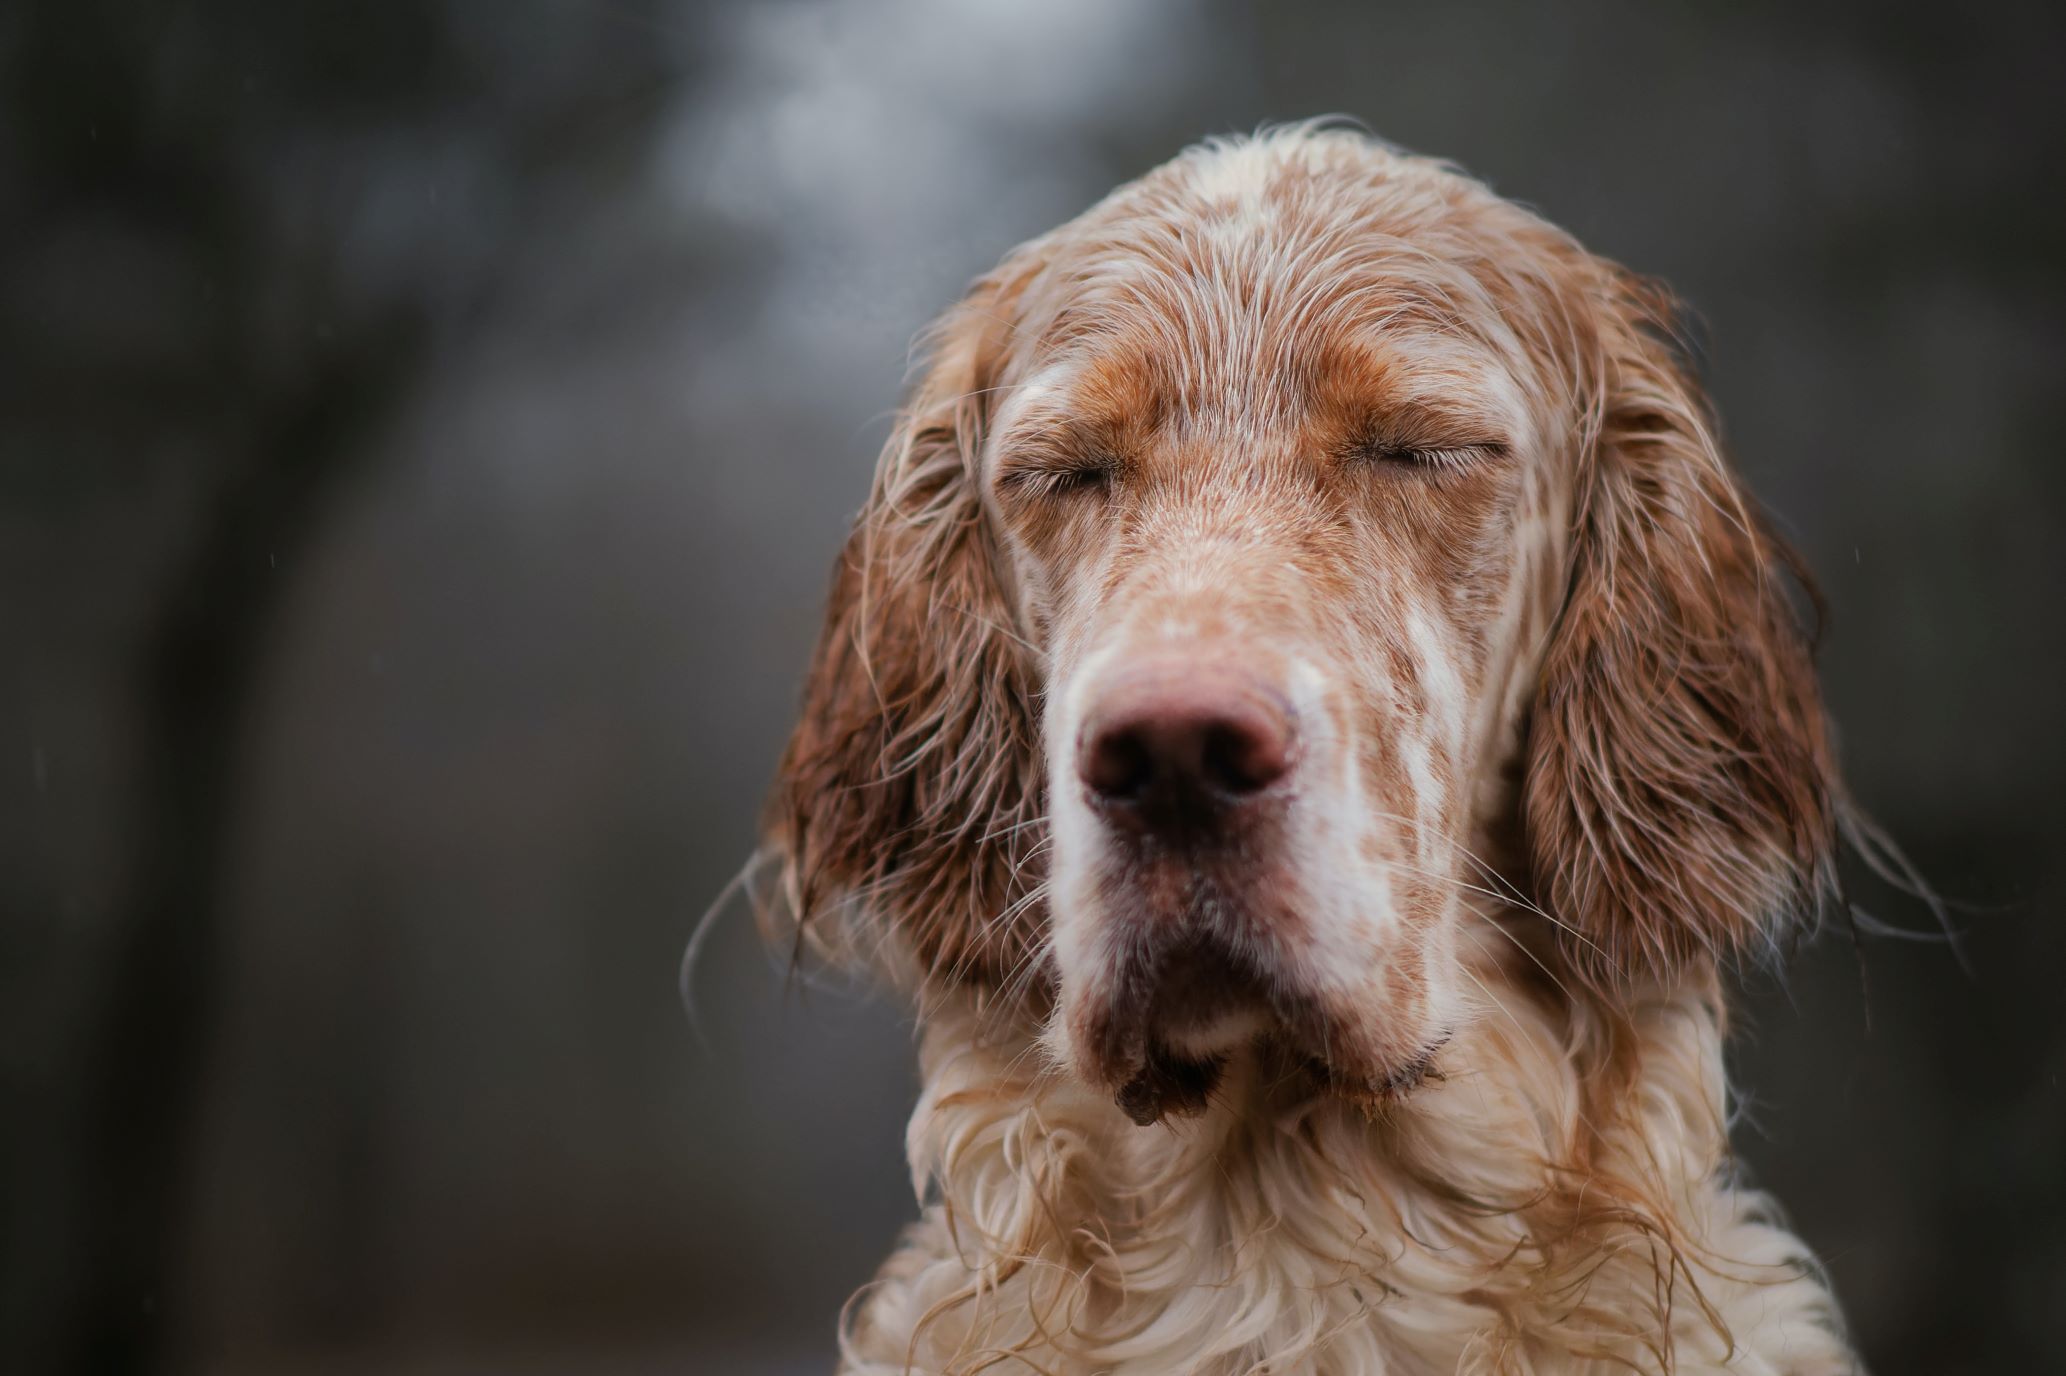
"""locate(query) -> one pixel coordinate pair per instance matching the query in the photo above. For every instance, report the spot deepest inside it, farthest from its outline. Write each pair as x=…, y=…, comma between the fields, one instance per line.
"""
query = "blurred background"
x=425, y=429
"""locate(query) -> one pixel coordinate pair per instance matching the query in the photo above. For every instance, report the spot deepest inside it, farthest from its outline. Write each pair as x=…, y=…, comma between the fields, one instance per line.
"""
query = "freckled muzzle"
x=1205, y=923
x=1187, y=762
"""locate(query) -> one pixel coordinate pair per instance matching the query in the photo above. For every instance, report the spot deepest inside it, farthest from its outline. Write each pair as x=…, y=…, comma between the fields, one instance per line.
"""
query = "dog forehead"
x=1280, y=294
x=1250, y=208
x=1283, y=181
x=1253, y=271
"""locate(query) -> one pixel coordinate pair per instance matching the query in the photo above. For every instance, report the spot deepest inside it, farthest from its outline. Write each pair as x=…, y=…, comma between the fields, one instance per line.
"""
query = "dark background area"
x=425, y=428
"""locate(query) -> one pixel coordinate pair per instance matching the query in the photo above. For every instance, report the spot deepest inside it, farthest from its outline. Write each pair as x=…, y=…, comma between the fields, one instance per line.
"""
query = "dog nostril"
x=1117, y=765
x=1240, y=758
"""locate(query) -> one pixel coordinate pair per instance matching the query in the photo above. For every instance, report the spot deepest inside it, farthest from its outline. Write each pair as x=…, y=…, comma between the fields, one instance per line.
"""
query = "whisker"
x=1519, y=1026
x=685, y=974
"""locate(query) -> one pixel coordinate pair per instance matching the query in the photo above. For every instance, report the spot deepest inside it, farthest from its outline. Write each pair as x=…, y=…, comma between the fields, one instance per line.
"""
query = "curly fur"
x=1283, y=1233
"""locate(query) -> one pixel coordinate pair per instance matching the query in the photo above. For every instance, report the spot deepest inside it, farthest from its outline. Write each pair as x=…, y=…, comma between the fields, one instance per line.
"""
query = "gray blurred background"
x=425, y=428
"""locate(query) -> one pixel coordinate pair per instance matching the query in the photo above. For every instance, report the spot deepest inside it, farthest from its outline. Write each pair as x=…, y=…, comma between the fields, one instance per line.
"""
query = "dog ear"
x=1681, y=797
x=907, y=810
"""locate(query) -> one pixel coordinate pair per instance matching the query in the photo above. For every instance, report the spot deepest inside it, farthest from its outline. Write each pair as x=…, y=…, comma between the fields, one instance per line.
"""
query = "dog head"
x=1291, y=561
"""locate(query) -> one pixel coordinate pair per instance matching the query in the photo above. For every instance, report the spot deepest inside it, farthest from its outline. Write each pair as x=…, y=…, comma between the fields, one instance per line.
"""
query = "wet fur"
x=1564, y=1205
x=1537, y=1178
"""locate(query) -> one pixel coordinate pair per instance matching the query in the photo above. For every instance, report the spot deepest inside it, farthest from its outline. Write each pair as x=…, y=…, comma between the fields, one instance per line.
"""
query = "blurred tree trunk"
x=279, y=377
x=146, y=1066
x=308, y=195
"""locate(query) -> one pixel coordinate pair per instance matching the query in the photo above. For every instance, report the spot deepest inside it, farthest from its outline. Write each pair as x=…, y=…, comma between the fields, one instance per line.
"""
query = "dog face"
x=1285, y=563
x=1282, y=526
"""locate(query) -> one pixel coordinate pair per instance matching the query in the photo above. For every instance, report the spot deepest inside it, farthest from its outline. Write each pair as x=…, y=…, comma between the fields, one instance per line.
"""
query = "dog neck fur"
x=1560, y=1200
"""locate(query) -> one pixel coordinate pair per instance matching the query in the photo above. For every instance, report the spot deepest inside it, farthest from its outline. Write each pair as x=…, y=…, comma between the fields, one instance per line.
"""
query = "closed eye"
x=1055, y=476
x=1431, y=458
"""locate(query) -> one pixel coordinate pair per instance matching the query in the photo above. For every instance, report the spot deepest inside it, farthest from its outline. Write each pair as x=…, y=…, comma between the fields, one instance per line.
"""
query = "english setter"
x=1309, y=712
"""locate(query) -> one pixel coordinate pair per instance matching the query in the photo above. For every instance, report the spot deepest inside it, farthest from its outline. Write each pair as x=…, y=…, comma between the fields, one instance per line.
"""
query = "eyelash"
x=1450, y=459
x=1070, y=479
x=1063, y=480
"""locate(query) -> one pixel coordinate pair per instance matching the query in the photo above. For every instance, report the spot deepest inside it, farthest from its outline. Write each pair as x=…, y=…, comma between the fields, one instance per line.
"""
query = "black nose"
x=1172, y=742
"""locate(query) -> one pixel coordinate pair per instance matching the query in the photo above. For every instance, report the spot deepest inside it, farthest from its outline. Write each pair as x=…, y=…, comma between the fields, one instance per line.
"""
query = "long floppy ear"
x=907, y=809
x=1681, y=798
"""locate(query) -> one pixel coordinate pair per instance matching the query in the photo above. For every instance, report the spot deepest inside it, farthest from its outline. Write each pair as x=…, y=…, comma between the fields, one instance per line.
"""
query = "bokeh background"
x=425, y=428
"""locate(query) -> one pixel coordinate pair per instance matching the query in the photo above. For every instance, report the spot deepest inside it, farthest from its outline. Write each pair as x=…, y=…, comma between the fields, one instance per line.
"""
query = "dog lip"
x=1387, y=1085
x=1164, y=1035
x=1169, y=1085
x=1194, y=1004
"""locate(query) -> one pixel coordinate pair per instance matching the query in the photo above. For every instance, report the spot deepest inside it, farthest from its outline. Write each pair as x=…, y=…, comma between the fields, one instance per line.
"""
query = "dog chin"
x=1182, y=1064
x=1169, y=1082
x=1171, y=1066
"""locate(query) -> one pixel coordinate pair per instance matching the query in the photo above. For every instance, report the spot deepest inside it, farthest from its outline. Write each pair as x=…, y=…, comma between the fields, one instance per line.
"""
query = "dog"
x=1311, y=717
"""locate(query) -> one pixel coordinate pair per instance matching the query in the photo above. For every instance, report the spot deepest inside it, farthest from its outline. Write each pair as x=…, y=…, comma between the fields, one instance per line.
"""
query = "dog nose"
x=1169, y=740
